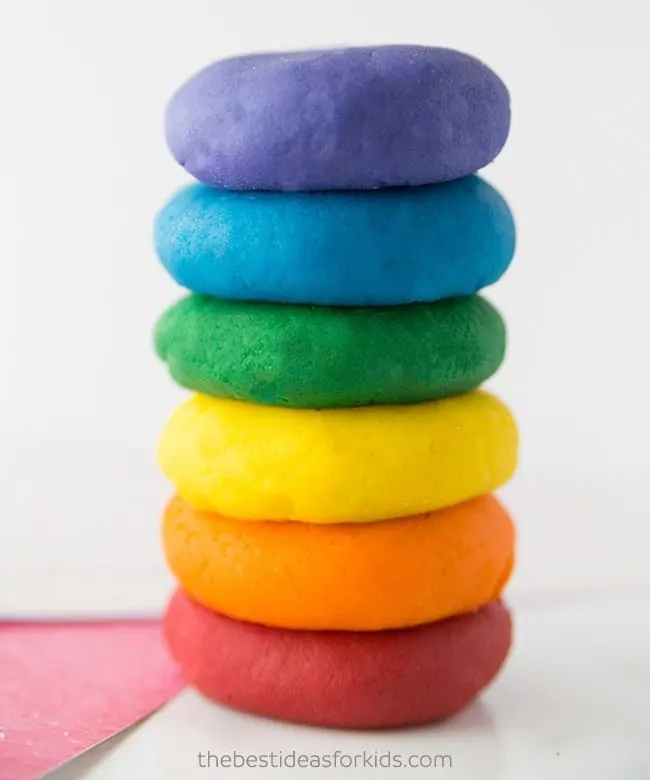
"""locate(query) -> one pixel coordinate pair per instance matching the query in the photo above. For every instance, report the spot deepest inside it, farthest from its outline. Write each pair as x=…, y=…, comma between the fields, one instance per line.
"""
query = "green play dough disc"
x=318, y=357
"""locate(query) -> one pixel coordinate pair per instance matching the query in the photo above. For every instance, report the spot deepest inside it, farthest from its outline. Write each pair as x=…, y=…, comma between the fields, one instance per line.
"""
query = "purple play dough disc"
x=357, y=118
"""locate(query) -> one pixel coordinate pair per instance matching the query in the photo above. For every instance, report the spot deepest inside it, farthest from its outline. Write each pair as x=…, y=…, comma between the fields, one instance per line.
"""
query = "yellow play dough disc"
x=337, y=465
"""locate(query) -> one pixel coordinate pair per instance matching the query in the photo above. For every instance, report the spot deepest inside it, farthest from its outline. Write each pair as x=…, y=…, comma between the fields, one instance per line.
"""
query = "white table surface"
x=572, y=703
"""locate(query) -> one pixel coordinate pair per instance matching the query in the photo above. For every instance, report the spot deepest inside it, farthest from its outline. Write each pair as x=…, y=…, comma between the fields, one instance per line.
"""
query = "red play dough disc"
x=339, y=678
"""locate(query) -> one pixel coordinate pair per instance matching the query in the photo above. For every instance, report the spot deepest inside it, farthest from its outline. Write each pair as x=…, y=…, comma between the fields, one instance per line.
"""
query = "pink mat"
x=65, y=687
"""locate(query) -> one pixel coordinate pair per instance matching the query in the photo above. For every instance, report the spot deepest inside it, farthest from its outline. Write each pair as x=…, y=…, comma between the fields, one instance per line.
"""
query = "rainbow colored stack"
x=339, y=553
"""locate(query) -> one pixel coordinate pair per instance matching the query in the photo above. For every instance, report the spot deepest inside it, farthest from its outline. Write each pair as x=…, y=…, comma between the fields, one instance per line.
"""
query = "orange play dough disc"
x=348, y=576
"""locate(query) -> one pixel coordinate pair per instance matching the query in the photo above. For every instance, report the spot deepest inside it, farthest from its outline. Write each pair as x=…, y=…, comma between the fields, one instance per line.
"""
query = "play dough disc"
x=337, y=248
x=348, y=465
x=359, y=577
x=356, y=118
x=318, y=357
x=374, y=679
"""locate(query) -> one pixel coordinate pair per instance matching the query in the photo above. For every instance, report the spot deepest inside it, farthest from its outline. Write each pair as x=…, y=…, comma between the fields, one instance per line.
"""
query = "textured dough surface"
x=356, y=118
x=379, y=248
x=320, y=357
x=353, y=577
x=349, y=465
x=373, y=679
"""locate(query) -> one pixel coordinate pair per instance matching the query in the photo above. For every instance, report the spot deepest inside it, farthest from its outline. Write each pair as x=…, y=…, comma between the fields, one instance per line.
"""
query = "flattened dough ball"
x=321, y=357
x=343, y=679
x=353, y=248
x=337, y=465
x=345, y=576
x=352, y=118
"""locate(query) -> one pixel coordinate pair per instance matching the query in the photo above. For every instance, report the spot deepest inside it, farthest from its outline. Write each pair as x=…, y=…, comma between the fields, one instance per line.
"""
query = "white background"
x=83, y=86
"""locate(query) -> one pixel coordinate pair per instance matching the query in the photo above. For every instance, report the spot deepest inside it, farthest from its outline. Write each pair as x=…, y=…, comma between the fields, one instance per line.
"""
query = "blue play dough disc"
x=346, y=248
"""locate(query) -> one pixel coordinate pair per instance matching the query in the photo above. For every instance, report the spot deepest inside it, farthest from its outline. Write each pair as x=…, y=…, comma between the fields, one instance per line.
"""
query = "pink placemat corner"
x=65, y=687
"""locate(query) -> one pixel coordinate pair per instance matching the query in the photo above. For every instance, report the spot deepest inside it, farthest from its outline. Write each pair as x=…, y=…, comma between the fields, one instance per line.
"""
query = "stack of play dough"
x=339, y=553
